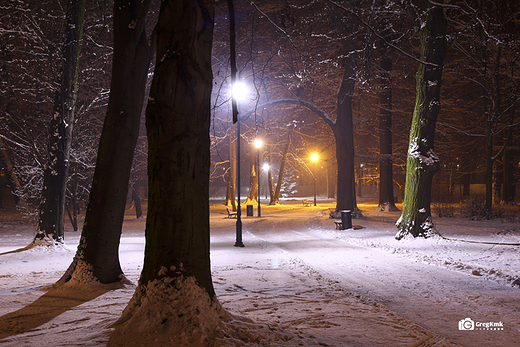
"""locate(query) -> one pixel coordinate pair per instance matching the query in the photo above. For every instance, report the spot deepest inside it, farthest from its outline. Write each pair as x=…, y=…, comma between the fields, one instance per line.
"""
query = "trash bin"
x=249, y=210
x=346, y=219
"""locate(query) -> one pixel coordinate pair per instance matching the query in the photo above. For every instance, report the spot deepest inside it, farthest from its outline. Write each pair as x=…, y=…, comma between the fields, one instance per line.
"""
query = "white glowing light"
x=239, y=91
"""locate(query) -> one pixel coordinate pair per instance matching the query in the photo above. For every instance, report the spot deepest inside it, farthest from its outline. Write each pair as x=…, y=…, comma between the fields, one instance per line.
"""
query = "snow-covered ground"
x=298, y=277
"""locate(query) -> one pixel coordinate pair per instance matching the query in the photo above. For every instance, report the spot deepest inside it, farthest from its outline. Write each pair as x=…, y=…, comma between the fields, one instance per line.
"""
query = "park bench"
x=306, y=202
x=231, y=213
x=339, y=224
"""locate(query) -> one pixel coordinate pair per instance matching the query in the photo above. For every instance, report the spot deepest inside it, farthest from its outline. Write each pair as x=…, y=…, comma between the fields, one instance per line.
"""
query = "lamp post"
x=314, y=158
x=238, y=92
x=258, y=145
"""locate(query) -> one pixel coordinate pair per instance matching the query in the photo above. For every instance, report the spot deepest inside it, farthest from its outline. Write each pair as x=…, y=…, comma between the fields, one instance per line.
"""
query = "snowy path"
x=300, y=277
x=433, y=297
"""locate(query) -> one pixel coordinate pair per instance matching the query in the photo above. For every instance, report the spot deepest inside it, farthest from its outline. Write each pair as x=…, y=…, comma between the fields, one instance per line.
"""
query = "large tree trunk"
x=344, y=135
x=386, y=178
x=177, y=122
x=52, y=207
x=343, y=128
x=99, y=244
x=422, y=163
x=175, y=289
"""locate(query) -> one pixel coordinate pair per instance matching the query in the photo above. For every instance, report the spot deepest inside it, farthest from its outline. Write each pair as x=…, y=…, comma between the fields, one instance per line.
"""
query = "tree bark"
x=253, y=180
x=508, y=185
x=331, y=174
x=386, y=178
x=99, y=243
x=52, y=208
x=137, y=201
x=232, y=175
x=177, y=121
x=11, y=175
x=344, y=127
x=270, y=180
x=276, y=199
x=344, y=135
x=422, y=163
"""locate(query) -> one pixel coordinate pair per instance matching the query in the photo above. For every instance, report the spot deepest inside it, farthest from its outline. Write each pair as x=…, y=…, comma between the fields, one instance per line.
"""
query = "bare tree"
x=52, y=208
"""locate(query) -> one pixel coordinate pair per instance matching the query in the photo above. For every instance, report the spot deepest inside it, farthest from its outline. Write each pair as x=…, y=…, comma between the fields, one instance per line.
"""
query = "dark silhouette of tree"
x=177, y=228
x=52, y=208
x=99, y=244
x=386, y=177
x=177, y=121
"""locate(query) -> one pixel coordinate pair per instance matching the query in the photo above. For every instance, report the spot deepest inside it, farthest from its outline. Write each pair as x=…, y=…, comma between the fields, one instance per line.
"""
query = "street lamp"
x=239, y=92
x=258, y=145
x=314, y=158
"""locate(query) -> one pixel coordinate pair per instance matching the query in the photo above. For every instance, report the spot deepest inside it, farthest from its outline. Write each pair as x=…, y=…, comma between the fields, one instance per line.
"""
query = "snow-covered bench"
x=306, y=202
x=231, y=213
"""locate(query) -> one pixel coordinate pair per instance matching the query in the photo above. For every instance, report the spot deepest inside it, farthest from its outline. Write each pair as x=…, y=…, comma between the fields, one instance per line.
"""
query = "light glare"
x=239, y=91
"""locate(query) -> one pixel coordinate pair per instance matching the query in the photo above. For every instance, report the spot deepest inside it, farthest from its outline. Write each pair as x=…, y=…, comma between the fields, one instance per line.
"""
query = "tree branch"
x=379, y=36
x=322, y=114
x=277, y=27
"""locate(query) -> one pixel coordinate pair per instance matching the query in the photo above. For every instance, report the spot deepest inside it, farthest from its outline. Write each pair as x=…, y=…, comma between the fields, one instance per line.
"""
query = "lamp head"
x=239, y=91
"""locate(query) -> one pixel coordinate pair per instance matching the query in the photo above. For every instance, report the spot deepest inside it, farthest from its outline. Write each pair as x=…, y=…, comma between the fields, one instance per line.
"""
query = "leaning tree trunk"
x=422, y=163
x=276, y=198
x=52, y=207
x=270, y=180
x=99, y=243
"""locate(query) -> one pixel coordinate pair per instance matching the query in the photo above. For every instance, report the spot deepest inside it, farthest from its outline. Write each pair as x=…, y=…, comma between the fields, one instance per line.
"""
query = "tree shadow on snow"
x=54, y=302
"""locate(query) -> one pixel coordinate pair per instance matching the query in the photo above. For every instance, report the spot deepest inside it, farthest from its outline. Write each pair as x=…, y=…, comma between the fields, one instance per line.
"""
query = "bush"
x=444, y=210
x=509, y=212
x=475, y=209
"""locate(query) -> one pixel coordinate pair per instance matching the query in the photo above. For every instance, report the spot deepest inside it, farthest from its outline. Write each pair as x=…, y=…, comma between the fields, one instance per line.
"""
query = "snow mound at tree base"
x=178, y=312
x=387, y=207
